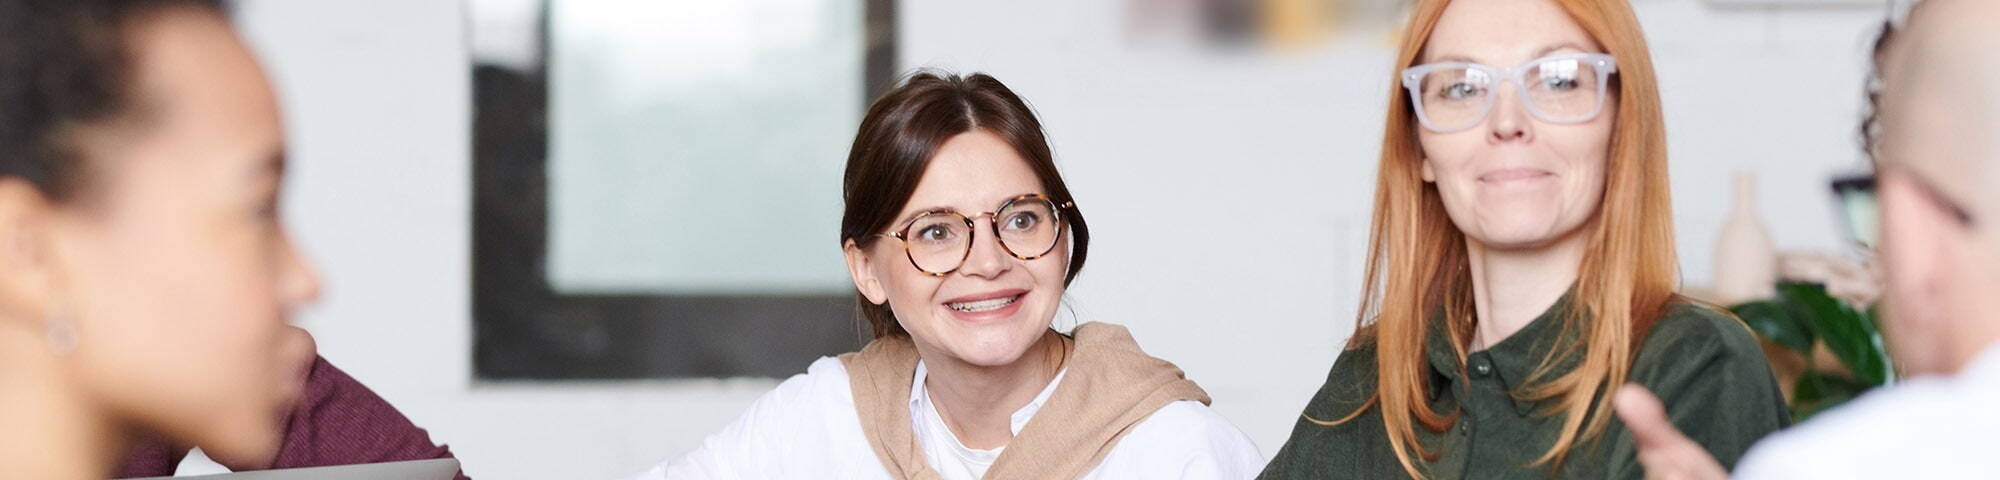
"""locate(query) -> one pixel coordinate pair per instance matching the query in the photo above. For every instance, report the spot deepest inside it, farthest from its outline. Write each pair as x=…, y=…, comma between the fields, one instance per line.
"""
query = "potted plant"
x=1806, y=323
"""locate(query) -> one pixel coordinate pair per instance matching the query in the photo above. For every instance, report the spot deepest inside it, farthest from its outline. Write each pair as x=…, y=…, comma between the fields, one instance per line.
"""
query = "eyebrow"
x=1544, y=51
x=912, y=216
x=1539, y=53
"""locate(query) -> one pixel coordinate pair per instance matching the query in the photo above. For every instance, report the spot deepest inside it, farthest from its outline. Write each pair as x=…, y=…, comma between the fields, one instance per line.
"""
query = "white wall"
x=1278, y=151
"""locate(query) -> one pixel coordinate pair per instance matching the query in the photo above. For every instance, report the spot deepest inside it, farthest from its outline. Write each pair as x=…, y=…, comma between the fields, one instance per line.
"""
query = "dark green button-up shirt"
x=1704, y=365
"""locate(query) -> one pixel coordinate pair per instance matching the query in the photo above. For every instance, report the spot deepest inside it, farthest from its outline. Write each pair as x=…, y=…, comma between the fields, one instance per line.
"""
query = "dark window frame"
x=523, y=329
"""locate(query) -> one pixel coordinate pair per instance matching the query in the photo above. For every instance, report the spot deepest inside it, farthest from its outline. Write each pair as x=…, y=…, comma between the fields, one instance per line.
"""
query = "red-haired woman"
x=1521, y=265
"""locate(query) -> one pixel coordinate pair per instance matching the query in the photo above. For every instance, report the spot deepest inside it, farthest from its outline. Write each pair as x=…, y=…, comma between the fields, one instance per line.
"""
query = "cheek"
x=1585, y=151
x=1049, y=273
x=1448, y=153
x=1587, y=191
x=1908, y=253
x=181, y=327
x=1051, y=270
x=909, y=291
x=1906, y=250
x=1448, y=156
x=1902, y=324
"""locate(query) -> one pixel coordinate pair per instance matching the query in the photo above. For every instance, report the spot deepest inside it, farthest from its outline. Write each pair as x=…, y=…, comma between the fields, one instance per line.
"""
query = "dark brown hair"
x=1870, y=129
x=65, y=64
x=901, y=133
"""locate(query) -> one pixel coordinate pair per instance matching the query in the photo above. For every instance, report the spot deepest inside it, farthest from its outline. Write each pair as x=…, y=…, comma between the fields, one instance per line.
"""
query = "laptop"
x=437, y=469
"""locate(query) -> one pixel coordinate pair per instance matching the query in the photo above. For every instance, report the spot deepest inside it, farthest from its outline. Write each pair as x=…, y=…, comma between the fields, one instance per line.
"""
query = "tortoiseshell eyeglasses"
x=939, y=241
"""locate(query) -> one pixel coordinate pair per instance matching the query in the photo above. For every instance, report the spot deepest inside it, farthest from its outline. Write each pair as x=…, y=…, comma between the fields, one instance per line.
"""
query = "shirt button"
x=1464, y=426
x=1482, y=369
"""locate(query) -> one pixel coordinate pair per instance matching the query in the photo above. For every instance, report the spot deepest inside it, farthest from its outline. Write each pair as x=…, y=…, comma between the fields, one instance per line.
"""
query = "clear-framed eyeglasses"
x=1561, y=88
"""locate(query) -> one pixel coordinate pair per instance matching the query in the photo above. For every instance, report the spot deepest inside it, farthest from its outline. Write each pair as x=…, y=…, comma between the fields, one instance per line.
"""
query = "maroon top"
x=338, y=421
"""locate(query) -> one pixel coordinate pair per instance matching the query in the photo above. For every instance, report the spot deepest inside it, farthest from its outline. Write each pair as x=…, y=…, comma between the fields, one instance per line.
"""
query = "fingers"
x=1663, y=450
x=1646, y=418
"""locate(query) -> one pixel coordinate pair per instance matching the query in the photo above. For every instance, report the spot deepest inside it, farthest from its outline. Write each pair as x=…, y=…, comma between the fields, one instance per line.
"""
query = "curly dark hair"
x=1870, y=127
x=63, y=65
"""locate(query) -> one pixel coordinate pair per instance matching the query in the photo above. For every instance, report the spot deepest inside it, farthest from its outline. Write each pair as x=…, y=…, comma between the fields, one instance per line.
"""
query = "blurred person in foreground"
x=145, y=276
x=1937, y=163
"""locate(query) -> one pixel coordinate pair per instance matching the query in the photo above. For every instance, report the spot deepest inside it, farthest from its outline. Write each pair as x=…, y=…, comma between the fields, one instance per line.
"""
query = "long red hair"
x=1418, y=264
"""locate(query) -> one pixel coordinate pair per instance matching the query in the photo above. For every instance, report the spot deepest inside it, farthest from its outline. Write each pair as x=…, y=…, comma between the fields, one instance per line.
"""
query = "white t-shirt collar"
x=921, y=410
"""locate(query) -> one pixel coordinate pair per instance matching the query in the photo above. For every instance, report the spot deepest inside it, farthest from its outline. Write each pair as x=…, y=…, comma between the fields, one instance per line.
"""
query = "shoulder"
x=1349, y=383
x=1845, y=442
x=1355, y=359
x=1190, y=427
x=806, y=408
x=1694, y=335
x=1185, y=439
x=1689, y=324
x=1318, y=445
x=806, y=423
x=824, y=387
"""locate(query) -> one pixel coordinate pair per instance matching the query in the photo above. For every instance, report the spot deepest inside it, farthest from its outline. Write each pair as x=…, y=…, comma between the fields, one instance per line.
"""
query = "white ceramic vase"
x=1746, y=264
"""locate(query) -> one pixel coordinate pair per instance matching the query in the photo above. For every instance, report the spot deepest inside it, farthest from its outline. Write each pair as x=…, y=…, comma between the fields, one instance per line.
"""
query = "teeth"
x=983, y=305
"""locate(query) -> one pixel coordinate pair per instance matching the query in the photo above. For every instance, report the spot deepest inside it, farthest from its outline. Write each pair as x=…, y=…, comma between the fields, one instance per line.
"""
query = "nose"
x=1509, y=120
x=988, y=259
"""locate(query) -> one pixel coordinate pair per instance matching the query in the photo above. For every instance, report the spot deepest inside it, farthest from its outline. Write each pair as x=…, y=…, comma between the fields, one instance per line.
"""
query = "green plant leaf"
x=1874, y=315
x=1819, y=392
x=1771, y=320
x=1848, y=333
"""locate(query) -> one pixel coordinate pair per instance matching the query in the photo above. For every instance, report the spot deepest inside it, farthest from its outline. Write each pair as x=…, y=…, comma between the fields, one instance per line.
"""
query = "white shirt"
x=948, y=456
x=1924, y=427
x=808, y=428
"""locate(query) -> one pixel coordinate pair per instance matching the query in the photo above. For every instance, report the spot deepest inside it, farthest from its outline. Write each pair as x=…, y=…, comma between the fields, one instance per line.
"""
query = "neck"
x=52, y=431
x=978, y=402
x=1510, y=288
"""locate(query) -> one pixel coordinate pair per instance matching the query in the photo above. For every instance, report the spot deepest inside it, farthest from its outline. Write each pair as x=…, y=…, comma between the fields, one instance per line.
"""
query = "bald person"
x=1937, y=161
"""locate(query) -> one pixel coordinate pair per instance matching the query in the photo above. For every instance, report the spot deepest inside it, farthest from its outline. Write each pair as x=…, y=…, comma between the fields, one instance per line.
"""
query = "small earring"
x=61, y=334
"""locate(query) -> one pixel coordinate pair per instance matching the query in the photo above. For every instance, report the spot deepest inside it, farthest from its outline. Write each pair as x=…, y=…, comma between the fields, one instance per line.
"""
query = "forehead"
x=193, y=73
x=1938, y=101
x=207, y=113
x=973, y=172
x=1939, y=110
x=1504, y=32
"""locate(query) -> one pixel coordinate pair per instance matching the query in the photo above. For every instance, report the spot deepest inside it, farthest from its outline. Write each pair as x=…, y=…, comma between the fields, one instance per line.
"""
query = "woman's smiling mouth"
x=1506, y=175
x=987, y=306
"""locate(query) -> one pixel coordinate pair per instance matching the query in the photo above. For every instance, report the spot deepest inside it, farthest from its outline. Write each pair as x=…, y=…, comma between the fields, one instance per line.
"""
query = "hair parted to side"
x=1418, y=265
x=903, y=131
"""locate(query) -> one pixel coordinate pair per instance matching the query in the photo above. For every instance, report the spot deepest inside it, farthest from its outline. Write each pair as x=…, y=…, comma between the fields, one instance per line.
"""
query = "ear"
x=1424, y=168
x=865, y=280
x=26, y=252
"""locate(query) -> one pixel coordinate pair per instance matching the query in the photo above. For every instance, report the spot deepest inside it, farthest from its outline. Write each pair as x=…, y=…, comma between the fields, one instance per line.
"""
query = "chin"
x=998, y=344
x=1519, y=227
x=248, y=442
x=1516, y=237
x=990, y=357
